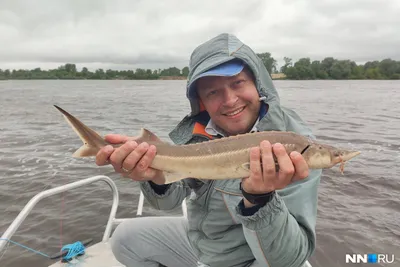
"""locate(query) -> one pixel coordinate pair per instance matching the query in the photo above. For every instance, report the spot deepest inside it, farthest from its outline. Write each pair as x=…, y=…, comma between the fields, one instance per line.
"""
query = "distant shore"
x=278, y=76
x=172, y=78
x=304, y=69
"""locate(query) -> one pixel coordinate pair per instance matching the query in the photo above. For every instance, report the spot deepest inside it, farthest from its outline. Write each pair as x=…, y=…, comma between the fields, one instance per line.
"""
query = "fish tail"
x=92, y=141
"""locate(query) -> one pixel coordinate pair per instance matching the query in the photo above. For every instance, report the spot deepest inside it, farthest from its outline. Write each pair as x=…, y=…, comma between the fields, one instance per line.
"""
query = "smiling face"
x=232, y=102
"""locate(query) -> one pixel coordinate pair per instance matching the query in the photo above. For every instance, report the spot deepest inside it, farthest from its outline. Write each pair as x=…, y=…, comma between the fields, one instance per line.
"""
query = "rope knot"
x=74, y=249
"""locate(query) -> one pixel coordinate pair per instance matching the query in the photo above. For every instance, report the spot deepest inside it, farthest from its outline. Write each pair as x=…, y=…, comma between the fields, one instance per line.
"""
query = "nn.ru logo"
x=369, y=258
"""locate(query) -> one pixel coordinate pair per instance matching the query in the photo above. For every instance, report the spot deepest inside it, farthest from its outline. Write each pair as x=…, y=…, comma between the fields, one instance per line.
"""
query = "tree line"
x=302, y=69
x=70, y=72
x=332, y=68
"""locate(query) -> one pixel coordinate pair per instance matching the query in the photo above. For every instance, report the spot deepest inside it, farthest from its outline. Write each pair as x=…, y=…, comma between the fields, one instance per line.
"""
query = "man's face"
x=232, y=102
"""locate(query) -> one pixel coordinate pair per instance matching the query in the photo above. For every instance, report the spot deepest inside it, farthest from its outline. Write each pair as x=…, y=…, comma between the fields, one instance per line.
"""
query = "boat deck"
x=97, y=255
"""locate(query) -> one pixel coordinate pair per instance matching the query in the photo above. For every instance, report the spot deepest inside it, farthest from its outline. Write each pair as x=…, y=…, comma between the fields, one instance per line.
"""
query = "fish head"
x=339, y=155
x=319, y=156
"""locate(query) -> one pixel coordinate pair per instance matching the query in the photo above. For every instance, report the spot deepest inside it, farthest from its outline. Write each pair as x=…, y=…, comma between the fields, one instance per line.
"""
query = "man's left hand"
x=263, y=175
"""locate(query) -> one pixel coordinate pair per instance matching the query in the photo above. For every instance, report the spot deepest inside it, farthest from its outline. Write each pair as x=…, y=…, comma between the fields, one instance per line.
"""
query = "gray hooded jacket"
x=279, y=234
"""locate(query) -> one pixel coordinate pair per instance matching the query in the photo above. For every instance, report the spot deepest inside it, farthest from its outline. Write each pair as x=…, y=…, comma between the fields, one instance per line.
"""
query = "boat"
x=98, y=254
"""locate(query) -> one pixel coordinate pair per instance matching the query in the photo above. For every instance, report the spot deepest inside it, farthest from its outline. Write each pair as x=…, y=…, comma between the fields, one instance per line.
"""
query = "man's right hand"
x=130, y=159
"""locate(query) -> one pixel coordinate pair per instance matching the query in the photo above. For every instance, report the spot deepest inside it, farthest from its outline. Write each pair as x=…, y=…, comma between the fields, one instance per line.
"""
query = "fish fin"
x=147, y=135
x=85, y=151
x=171, y=177
x=92, y=141
x=246, y=166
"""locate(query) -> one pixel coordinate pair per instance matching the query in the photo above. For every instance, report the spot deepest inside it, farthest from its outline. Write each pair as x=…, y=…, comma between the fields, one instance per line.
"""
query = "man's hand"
x=130, y=159
x=263, y=175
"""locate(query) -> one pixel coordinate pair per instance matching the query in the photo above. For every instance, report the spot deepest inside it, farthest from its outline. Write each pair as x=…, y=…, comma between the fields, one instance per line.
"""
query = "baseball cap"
x=227, y=69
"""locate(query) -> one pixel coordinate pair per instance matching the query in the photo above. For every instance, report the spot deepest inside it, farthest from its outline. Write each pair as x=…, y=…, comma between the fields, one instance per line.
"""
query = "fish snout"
x=341, y=155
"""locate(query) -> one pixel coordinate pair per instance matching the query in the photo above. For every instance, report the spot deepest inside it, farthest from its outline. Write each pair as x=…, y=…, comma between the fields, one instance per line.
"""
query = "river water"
x=358, y=212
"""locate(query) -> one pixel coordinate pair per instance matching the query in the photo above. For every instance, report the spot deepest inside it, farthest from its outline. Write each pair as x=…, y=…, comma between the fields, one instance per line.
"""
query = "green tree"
x=268, y=61
x=303, y=69
x=291, y=73
x=318, y=71
x=70, y=68
x=185, y=71
x=288, y=63
x=174, y=71
x=373, y=73
x=341, y=69
x=388, y=67
x=326, y=65
x=357, y=73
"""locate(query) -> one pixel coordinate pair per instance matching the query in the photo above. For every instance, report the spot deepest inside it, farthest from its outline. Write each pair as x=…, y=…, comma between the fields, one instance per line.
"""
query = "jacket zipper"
x=200, y=225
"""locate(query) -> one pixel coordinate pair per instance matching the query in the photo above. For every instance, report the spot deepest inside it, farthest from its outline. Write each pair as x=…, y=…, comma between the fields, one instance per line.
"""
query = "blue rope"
x=74, y=250
x=35, y=251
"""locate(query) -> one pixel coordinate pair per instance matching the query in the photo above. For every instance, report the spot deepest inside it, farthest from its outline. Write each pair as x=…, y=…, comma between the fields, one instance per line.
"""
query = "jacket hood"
x=223, y=48
x=218, y=50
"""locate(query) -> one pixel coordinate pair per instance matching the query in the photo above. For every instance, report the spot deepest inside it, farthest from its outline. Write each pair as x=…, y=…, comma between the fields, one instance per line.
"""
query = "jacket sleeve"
x=166, y=197
x=282, y=233
x=170, y=196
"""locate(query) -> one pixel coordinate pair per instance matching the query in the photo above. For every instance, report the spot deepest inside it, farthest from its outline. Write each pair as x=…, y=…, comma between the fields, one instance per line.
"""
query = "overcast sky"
x=158, y=34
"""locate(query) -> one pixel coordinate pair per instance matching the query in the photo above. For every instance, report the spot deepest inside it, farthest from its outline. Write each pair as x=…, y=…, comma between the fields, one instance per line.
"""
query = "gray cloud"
x=361, y=30
x=158, y=34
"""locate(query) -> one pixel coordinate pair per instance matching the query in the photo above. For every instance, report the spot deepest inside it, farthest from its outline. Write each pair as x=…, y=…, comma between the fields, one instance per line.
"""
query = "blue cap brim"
x=228, y=69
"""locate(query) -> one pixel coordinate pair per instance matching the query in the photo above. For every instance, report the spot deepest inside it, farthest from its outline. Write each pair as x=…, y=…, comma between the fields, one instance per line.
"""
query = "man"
x=266, y=219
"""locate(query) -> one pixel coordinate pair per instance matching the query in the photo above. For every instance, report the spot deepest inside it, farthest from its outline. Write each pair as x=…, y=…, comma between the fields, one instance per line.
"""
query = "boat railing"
x=141, y=201
x=112, y=221
x=50, y=192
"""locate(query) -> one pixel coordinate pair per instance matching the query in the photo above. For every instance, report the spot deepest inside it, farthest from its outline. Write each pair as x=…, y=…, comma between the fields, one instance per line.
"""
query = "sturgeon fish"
x=225, y=158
